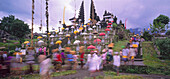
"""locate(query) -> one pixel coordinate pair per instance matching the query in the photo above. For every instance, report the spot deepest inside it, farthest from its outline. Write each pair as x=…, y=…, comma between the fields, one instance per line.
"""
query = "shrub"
x=168, y=32
x=164, y=47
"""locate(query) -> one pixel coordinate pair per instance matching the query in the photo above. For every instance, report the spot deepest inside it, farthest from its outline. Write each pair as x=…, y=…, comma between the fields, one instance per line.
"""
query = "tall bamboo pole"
x=47, y=15
x=32, y=23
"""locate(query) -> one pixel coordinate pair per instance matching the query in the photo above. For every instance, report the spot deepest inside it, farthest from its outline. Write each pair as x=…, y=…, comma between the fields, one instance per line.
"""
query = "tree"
x=147, y=36
x=159, y=23
x=15, y=27
x=161, y=18
x=114, y=25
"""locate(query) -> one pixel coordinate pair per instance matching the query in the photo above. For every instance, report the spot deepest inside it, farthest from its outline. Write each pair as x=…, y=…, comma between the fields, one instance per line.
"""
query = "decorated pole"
x=47, y=15
x=32, y=23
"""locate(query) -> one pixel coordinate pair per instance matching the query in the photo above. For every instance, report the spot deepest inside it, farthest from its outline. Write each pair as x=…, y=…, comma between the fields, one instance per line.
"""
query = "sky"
x=139, y=13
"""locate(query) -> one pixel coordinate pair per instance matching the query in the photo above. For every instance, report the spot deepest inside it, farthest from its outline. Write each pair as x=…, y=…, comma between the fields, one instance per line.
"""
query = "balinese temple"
x=92, y=9
x=81, y=14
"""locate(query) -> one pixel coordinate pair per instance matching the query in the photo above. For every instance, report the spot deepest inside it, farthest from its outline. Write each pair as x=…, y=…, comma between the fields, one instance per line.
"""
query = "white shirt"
x=116, y=59
x=4, y=55
x=17, y=55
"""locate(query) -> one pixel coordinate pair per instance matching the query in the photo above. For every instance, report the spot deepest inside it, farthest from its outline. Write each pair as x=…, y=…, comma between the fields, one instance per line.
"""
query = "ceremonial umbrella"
x=26, y=42
x=59, y=42
x=109, y=23
x=107, y=29
x=91, y=47
x=102, y=34
x=76, y=42
x=97, y=40
x=108, y=26
x=39, y=37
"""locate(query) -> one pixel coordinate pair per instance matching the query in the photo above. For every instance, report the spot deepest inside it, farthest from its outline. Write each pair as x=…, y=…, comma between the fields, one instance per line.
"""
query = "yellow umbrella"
x=39, y=37
x=75, y=32
x=88, y=23
x=80, y=28
x=89, y=19
x=67, y=35
x=58, y=42
x=63, y=28
x=26, y=42
x=49, y=33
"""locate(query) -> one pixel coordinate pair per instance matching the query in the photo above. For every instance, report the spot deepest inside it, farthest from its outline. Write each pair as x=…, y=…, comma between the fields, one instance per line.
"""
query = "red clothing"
x=82, y=57
x=58, y=56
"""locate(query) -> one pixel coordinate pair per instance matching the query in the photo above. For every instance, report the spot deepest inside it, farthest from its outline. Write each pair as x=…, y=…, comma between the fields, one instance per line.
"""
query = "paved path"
x=138, y=63
x=79, y=75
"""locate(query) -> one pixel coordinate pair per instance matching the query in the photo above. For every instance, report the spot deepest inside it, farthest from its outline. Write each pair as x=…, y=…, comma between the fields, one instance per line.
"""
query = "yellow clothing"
x=124, y=56
x=132, y=57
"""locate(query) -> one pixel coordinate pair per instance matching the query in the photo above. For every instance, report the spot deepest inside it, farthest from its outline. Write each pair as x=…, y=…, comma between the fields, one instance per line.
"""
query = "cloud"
x=138, y=12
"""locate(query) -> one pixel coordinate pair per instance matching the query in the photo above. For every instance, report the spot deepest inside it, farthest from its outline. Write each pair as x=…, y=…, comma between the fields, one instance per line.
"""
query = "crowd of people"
x=93, y=60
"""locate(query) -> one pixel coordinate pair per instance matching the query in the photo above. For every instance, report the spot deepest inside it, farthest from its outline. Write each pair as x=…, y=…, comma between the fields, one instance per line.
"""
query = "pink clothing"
x=75, y=57
x=44, y=50
x=104, y=56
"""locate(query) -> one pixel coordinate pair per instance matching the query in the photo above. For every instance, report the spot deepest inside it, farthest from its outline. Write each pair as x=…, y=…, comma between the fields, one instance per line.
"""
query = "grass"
x=151, y=60
x=11, y=44
x=150, y=56
x=117, y=46
x=112, y=75
x=35, y=67
x=37, y=76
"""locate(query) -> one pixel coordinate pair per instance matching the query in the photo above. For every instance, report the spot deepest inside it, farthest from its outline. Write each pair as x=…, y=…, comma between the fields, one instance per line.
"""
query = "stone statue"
x=115, y=19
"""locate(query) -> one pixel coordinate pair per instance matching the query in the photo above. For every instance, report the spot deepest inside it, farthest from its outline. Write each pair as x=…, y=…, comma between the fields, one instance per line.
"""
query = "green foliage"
x=164, y=47
x=157, y=27
x=150, y=59
x=112, y=75
x=147, y=36
x=161, y=18
x=117, y=46
x=168, y=32
x=114, y=25
x=37, y=76
x=159, y=23
x=63, y=73
x=14, y=26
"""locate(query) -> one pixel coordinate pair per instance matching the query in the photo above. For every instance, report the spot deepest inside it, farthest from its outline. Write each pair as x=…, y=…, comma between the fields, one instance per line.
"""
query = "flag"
x=125, y=23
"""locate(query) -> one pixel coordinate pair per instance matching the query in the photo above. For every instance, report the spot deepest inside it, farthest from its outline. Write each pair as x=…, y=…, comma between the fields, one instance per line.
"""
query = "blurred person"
x=92, y=63
x=16, y=49
x=4, y=55
x=45, y=67
x=125, y=53
x=18, y=57
x=121, y=55
x=103, y=56
x=75, y=57
x=63, y=56
x=82, y=56
x=132, y=53
x=116, y=62
x=57, y=60
x=98, y=58
x=109, y=56
x=30, y=59
x=70, y=59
